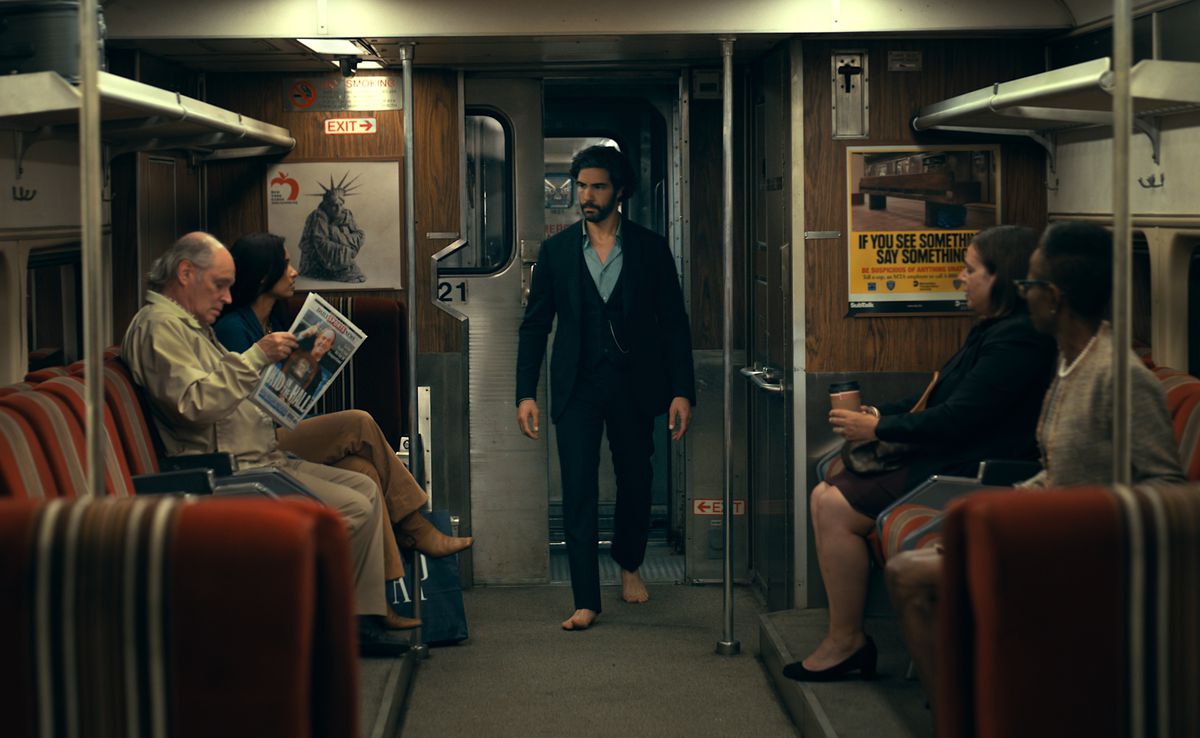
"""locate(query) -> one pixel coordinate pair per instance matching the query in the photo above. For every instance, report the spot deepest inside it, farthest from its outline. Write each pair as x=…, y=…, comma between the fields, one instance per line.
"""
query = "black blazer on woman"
x=657, y=326
x=985, y=404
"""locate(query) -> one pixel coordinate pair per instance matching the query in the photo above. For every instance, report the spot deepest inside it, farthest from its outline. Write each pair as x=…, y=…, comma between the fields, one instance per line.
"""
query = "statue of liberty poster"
x=341, y=222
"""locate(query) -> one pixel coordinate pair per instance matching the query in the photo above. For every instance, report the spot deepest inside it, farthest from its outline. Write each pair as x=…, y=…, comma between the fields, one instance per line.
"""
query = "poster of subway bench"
x=911, y=212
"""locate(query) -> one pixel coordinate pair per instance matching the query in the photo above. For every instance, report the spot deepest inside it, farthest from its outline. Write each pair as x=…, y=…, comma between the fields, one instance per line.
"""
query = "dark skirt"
x=869, y=495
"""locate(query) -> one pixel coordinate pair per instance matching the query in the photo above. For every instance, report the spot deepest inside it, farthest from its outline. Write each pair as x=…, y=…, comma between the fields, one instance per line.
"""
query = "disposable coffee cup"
x=845, y=396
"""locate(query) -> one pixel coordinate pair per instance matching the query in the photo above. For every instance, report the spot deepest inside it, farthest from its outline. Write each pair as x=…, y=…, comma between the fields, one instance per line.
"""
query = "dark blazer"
x=985, y=404
x=659, y=332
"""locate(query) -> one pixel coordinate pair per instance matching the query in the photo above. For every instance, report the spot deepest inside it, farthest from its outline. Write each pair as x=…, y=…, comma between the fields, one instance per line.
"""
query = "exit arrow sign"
x=349, y=126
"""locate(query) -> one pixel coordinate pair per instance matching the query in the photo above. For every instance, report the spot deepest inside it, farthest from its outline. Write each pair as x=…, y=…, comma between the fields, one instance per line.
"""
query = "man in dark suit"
x=622, y=356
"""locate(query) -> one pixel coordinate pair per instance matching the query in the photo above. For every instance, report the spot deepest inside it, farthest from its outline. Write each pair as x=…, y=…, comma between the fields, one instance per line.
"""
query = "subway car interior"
x=827, y=178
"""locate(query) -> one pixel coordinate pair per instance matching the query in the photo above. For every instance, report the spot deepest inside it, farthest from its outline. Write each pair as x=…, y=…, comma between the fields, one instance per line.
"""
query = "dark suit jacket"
x=985, y=404
x=659, y=332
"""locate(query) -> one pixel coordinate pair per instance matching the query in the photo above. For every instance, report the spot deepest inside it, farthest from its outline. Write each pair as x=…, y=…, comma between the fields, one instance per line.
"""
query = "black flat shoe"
x=863, y=661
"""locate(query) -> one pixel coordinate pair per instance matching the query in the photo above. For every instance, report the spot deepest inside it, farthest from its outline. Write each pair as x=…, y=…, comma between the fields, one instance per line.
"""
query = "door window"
x=488, y=198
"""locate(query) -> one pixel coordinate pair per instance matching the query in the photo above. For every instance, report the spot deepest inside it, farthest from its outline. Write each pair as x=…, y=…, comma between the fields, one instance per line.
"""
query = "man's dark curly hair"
x=613, y=162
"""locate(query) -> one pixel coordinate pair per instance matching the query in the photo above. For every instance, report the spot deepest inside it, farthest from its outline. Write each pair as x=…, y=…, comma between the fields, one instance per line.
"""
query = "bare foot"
x=831, y=653
x=581, y=620
x=633, y=589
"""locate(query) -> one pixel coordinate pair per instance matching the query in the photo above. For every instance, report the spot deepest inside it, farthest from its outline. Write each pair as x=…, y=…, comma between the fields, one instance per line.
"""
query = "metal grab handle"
x=757, y=376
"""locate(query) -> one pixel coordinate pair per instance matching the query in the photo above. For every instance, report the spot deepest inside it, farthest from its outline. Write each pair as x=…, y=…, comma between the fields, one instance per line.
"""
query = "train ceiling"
x=257, y=35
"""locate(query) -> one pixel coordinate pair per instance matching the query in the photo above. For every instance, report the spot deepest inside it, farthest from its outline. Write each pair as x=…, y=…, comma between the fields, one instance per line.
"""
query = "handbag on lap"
x=867, y=458
x=443, y=618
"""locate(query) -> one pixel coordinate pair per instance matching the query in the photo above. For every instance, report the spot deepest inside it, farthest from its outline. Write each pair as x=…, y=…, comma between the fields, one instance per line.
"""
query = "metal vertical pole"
x=415, y=453
x=728, y=645
x=1122, y=236
x=92, y=258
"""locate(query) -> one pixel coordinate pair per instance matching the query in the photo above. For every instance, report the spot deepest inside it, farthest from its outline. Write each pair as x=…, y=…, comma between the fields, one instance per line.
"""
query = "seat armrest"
x=1006, y=473
x=244, y=489
x=190, y=481
x=222, y=464
x=277, y=481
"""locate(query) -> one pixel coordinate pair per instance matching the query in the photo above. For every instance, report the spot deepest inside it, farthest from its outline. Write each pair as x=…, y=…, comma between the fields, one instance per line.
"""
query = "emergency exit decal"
x=717, y=507
x=349, y=126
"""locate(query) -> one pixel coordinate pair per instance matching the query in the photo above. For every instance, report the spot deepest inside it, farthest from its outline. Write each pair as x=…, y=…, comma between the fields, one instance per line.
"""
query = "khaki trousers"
x=357, y=500
x=352, y=440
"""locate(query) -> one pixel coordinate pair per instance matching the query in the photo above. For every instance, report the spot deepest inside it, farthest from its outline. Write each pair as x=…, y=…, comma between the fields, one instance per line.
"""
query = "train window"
x=1178, y=28
x=54, y=307
x=1076, y=49
x=1140, y=293
x=488, y=198
x=561, y=210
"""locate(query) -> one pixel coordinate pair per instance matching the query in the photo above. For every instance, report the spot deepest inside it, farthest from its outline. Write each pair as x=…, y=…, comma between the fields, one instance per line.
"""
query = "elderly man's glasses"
x=1023, y=285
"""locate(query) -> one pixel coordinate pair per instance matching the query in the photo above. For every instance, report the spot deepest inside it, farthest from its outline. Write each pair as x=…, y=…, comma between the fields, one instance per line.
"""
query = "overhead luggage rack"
x=135, y=117
x=1071, y=97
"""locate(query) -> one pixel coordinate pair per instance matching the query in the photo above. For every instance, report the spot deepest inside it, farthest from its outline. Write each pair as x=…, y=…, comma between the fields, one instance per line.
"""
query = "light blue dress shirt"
x=604, y=275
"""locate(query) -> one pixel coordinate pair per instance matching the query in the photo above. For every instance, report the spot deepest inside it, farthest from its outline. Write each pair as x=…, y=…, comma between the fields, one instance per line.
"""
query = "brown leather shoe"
x=392, y=621
x=428, y=539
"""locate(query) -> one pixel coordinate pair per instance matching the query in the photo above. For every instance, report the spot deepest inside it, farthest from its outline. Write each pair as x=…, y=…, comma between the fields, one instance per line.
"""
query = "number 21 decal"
x=452, y=292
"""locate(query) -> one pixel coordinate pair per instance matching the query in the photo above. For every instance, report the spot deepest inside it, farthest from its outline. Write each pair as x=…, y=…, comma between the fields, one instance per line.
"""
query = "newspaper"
x=291, y=387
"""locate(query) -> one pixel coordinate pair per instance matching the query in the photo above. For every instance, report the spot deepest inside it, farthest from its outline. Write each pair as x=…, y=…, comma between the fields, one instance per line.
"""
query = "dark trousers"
x=603, y=399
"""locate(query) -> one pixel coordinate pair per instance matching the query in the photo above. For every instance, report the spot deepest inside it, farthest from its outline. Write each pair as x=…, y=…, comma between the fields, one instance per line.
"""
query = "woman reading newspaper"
x=349, y=439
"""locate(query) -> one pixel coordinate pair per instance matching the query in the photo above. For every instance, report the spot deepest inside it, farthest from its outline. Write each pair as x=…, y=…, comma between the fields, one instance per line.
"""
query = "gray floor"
x=642, y=670
x=661, y=566
x=891, y=706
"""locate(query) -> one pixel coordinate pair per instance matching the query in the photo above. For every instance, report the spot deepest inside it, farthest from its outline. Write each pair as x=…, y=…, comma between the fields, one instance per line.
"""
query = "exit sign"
x=349, y=126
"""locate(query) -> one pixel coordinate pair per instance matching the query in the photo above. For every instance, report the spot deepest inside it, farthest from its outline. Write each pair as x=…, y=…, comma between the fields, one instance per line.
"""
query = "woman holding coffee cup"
x=983, y=405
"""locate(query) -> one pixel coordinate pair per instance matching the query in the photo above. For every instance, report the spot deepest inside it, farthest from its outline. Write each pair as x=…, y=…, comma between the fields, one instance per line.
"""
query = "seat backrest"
x=9, y=389
x=376, y=377
x=1070, y=612
x=57, y=434
x=1183, y=402
x=55, y=410
x=125, y=402
x=50, y=372
x=186, y=600
x=72, y=391
x=24, y=470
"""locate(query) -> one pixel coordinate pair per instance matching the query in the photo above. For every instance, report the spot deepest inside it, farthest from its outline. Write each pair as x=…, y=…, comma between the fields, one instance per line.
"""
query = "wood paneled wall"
x=836, y=342
x=237, y=189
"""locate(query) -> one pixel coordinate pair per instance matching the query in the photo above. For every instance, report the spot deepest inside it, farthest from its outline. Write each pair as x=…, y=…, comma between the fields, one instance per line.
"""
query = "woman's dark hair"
x=1005, y=251
x=1078, y=259
x=260, y=261
x=610, y=160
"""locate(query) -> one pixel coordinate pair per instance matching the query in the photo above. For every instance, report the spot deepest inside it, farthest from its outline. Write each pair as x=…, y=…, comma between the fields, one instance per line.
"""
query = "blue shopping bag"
x=443, y=618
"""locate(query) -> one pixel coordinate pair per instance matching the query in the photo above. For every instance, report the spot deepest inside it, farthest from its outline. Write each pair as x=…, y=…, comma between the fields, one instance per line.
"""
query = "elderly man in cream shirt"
x=200, y=404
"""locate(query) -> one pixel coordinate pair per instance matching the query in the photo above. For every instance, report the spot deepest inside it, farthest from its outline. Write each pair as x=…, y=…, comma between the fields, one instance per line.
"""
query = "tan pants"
x=357, y=500
x=352, y=440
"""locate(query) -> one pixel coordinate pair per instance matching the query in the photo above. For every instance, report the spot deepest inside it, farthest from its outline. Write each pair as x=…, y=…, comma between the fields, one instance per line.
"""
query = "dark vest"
x=602, y=324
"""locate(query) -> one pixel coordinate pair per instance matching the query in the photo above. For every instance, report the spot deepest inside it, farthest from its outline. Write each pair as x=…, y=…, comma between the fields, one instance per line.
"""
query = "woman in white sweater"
x=1068, y=289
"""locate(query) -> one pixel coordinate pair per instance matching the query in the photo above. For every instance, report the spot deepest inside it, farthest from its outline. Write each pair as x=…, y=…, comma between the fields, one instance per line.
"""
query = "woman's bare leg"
x=843, y=558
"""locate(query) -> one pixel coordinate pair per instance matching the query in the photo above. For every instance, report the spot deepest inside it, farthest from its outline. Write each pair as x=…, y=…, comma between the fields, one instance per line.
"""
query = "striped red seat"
x=1183, y=402
x=227, y=617
x=59, y=430
x=901, y=522
x=24, y=470
x=1085, y=627
x=71, y=390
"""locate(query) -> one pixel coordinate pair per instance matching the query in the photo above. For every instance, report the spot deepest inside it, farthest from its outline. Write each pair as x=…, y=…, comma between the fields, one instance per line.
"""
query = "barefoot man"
x=622, y=356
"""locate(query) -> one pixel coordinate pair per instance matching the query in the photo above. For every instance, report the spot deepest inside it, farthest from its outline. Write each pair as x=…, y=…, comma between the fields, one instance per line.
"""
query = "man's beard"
x=601, y=213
